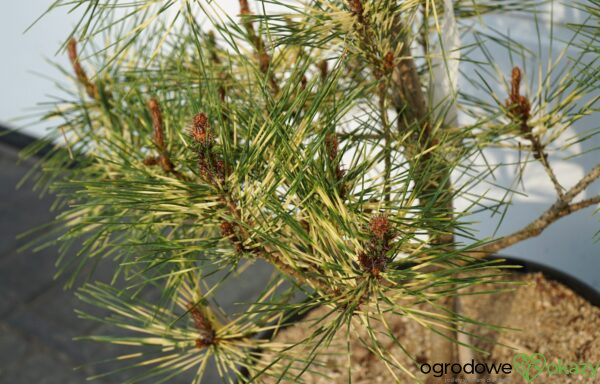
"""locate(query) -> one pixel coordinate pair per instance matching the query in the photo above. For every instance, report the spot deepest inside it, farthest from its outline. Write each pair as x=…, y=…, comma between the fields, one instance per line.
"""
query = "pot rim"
x=583, y=289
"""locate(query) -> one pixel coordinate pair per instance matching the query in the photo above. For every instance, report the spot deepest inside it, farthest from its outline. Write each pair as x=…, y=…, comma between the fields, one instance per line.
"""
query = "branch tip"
x=157, y=123
x=203, y=326
x=80, y=73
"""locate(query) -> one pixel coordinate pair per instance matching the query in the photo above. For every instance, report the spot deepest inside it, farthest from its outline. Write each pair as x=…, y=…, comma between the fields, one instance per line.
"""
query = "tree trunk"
x=432, y=180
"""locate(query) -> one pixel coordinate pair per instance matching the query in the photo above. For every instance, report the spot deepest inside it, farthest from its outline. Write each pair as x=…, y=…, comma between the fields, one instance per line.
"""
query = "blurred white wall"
x=568, y=244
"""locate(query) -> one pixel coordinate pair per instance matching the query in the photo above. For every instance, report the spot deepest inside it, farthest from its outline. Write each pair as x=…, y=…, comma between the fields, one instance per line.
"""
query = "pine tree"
x=328, y=138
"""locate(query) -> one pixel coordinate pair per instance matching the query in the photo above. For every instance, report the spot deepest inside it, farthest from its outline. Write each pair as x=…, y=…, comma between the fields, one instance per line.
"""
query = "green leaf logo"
x=526, y=365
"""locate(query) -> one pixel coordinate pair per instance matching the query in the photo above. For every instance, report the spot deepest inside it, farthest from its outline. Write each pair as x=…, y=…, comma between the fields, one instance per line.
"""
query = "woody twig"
x=331, y=147
x=519, y=108
x=562, y=207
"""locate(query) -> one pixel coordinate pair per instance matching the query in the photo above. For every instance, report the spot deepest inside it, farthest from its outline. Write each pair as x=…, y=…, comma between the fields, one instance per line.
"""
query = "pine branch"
x=535, y=228
x=213, y=171
x=561, y=208
x=520, y=109
x=582, y=184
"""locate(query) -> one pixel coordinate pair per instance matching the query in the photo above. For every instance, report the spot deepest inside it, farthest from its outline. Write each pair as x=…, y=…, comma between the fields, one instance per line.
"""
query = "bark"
x=432, y=176
x=561, y=208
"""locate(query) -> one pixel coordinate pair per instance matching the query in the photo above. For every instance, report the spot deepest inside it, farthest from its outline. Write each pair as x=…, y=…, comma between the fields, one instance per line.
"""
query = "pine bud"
x=226, y=229
x=82, y=77
x=157, y=123
x=264, y=60
x=518, y=105
x=379, y=226
x=374, y=258
x=357, y=8
x=519, y=108
x=515, y=82
x=203, y=325
x=331, y=144
x=323, y=68
x=200, y=129
x=388, y=62
x=244, y=8
x=151, y=160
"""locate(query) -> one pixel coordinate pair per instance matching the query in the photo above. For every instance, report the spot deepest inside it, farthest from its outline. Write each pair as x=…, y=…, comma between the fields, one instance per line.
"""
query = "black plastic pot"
x=582, y=289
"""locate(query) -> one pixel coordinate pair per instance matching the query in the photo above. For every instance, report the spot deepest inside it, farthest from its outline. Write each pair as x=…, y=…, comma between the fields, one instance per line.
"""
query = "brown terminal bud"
x=515, y=82
x=226, y=229
x=82, y=77
x=379, y=226
x=151, y=160
x=357, y=8
x=203, y=326
x=200, y=129
x=72, y=51
x=201, y=121
x=264, y=60
x=323, y=68
x=519, y=106
x=157, y=123
x=331, y=145
x=388, y=62
x=244, y=7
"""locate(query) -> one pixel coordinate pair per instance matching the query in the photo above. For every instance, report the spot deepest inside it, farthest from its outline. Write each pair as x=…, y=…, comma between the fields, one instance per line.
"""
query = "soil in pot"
x=552, y=320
